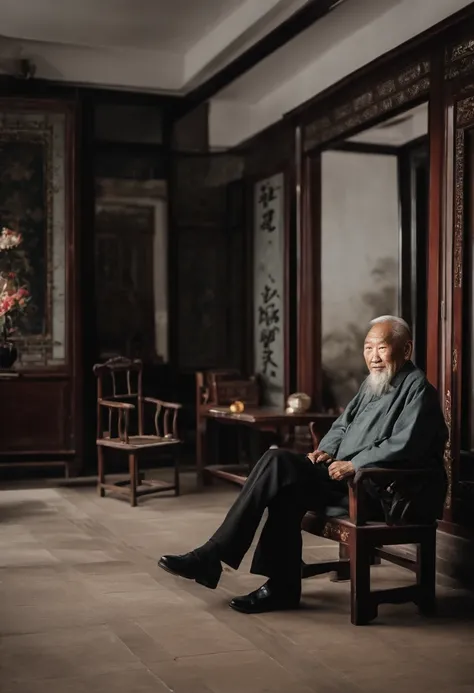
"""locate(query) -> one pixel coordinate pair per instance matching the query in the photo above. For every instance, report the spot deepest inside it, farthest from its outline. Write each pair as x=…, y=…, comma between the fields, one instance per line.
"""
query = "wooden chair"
x=219, y=388
x=125, y=377
x=363, y=543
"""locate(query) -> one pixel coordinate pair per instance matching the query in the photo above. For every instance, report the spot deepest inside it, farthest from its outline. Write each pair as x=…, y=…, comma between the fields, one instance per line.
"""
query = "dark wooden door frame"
x=459, y=118
x=309, y=376
x=439, y=66
x=414, y=241
x=309, y=281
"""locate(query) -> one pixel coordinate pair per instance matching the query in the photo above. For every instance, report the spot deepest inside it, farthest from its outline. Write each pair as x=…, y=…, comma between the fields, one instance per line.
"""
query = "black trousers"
x=289, y=485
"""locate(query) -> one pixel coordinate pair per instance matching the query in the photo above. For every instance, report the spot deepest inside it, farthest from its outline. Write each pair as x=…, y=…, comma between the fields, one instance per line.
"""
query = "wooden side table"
x=264, y=421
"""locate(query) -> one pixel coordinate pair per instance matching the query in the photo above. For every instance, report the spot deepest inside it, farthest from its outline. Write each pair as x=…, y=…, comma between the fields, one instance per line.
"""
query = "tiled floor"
x=84, y=609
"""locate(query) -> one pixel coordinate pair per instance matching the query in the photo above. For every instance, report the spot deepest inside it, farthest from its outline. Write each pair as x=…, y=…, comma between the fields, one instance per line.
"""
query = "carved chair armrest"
x=164, y=428
x=383, y=475
x=115, y=405
x=171, y=405
x=123, y=409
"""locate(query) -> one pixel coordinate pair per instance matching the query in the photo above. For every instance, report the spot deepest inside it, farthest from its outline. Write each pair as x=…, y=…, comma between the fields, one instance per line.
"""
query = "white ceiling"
x=283, y=65
x=152, y=45
x=165, y=25
x=171, y=46
x=339, y=44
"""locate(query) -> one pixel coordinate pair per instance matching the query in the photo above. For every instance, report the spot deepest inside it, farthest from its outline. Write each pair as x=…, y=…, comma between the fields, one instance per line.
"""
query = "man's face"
x=383, y=354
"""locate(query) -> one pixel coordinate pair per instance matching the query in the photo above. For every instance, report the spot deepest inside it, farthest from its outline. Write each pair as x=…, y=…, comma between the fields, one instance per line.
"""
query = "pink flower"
x=9, y=239
x=7, y=302
x=11, y=300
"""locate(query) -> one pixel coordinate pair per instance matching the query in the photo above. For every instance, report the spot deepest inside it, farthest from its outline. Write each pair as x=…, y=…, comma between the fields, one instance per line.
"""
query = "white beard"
x=379, y=383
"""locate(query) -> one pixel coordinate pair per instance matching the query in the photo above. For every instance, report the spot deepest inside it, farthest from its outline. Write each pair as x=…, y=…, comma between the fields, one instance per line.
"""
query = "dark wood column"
x=309, y=282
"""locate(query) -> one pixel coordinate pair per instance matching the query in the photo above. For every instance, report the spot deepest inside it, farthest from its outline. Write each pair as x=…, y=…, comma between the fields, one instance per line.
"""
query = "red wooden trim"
x=459, y=202
x=436, y=131
x=249, y=351
x=289, y=191
x=431, y=39
x=309, y=284
x=447, y=295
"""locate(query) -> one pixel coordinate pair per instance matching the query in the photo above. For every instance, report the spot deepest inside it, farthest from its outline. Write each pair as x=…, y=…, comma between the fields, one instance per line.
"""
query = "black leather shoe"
x=193, y=567
x=265, y=599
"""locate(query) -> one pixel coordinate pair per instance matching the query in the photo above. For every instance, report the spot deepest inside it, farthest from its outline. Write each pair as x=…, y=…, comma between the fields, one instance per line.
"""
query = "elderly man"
x=394, y=420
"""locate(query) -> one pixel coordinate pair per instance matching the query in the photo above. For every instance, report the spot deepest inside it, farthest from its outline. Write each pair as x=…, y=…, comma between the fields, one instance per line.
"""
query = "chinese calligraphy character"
x=269, y=317
x=268, y=293
x=267, y=194
x=267, y=337
x=267, y=221
x=268, y=314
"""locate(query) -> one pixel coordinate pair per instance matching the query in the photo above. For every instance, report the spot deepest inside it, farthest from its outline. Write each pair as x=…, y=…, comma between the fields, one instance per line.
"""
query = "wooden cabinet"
x=41, y=409
x=37, y=419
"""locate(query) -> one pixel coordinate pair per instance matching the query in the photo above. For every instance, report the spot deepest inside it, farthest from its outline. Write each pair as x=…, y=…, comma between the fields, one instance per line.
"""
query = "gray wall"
x=360, y=261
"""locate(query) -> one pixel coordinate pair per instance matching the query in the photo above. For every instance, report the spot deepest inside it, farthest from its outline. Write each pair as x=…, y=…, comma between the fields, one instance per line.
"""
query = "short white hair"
x=400, y=328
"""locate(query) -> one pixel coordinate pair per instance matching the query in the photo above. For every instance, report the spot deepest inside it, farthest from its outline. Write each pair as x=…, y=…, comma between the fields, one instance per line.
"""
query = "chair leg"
x=100, y=471
x=133, y=469
x=426, y=575
x=363, y=609
x=177, y=487
x=374, y=559
x=343, y=571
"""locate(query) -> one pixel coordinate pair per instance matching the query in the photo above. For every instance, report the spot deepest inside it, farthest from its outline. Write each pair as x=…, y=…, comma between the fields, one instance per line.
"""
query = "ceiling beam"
x=275, y=39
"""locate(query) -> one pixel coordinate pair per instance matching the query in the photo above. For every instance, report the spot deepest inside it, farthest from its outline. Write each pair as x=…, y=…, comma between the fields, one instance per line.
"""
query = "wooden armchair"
x=219, y=389
x=125, y=378
x=363, y=542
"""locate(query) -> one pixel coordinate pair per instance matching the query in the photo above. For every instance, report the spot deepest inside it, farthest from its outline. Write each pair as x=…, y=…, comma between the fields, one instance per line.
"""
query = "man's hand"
x=319, y=457
x=339, y=470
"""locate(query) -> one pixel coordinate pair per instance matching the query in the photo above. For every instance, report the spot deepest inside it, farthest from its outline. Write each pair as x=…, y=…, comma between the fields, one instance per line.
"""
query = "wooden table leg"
x=201, y=430
x=100, y=470
x=176, y=461
x=133, y=469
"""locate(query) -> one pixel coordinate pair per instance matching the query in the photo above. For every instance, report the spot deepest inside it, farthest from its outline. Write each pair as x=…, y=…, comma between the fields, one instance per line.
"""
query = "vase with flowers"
x=14, y=296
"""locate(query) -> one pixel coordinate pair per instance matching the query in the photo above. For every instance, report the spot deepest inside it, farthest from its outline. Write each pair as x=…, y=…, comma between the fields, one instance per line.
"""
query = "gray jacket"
x=404, y=427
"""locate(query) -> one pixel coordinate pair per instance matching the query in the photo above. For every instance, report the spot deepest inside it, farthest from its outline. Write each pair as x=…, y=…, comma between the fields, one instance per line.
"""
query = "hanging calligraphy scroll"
x=269, y=287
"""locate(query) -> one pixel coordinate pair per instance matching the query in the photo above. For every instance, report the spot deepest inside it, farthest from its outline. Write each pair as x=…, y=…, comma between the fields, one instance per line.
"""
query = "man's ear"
x=408, y=351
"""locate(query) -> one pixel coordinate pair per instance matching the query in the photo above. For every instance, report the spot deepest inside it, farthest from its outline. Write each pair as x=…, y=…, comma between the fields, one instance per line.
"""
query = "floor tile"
x=85, y=609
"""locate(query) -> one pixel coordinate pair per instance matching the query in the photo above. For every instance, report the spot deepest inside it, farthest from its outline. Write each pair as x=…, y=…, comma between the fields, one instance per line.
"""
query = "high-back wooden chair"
x=363, y=543
x=219, y=388
x=119, y=400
